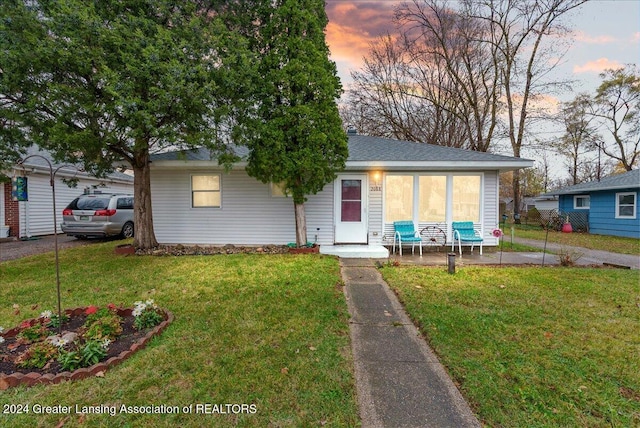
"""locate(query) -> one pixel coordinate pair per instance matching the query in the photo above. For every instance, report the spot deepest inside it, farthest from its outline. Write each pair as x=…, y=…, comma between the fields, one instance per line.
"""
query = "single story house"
x=546, y=202
x=34, y=217
x=196, y=202
x=611, y=204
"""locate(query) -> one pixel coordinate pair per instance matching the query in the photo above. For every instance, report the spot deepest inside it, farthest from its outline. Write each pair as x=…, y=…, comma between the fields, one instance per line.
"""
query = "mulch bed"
x=128, y=337
x=129, y=342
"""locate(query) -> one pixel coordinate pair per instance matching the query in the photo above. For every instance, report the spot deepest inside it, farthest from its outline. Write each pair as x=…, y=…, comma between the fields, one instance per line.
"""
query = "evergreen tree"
x=293, y=128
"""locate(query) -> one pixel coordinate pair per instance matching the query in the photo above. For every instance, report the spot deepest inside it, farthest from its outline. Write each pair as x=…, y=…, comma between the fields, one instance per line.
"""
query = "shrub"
x=33, y=333
x=38, y=355
x=108, y=326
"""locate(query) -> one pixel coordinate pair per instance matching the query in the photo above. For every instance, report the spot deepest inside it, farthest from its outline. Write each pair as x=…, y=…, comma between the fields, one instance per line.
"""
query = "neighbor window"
x=205, y=191
x=466, y=198
x=581, y=202
x=398, y=195
x=626, y=205
x=432, y=203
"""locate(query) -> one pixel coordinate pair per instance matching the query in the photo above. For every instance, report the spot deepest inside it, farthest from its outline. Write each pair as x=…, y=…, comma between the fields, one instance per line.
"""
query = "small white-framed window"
x=581, y=202
x=626, y=205
x=205, y=191
x=278, y=190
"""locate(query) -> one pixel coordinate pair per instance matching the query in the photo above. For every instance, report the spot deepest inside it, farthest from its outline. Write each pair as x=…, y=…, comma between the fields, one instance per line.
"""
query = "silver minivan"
x=99, y=215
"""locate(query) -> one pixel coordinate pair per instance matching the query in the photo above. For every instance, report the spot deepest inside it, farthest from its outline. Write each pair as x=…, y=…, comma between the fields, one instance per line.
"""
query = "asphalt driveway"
x=10, y=249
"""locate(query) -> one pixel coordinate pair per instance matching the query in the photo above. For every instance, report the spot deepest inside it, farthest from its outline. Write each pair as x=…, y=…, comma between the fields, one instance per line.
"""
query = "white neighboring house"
x=546, y=202
x=34, y=217
x=196, y=202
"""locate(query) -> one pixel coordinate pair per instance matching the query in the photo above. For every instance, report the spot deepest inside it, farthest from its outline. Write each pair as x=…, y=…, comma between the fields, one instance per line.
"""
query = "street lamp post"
x=52, y=176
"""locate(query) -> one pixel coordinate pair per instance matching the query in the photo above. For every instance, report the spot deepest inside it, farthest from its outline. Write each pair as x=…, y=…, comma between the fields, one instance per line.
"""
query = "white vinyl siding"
x=249, y=215
x=376, y=227
x=36, y=214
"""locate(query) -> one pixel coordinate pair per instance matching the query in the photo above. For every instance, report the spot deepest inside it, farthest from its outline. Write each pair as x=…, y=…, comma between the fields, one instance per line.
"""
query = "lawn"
x=533, y=346
x=268, y=331
x=615, y=244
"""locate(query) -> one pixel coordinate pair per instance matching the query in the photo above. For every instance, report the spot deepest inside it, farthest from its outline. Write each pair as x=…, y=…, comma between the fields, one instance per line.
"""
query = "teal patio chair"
x=463, y=231
x=405, y=233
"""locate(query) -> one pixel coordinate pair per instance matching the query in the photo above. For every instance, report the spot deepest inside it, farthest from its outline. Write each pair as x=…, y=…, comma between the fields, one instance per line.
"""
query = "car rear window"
x=90, y=204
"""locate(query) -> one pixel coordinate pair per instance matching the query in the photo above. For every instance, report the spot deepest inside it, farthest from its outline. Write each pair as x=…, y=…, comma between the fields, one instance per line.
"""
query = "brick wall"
x=11, y=212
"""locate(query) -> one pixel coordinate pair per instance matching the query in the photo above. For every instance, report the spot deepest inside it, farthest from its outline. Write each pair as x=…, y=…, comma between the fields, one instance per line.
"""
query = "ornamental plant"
x=146, y=315
x=38, y=355
x=102, y=323
x=33, y=333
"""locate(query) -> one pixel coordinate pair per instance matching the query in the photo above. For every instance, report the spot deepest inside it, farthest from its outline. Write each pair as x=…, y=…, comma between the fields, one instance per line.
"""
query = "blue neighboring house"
x=611, y=203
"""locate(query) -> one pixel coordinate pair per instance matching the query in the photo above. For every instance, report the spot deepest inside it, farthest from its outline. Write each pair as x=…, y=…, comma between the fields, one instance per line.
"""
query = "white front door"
x=351, y=209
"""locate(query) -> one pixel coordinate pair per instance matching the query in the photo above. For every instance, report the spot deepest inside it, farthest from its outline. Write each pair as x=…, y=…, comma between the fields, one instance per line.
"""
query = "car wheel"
x=127, y=230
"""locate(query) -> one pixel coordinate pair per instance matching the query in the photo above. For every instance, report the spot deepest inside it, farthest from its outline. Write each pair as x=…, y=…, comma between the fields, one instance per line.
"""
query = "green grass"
x=249, y=329
x=615, y=244
x=531, y=346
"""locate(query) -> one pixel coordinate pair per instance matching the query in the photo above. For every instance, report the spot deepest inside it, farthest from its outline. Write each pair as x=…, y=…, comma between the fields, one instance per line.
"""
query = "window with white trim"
x=626, y=204
x=466, y=198
x=581, y=202
x=278, y=190
x=205, y=191
x=398, y=198
x=432, y=200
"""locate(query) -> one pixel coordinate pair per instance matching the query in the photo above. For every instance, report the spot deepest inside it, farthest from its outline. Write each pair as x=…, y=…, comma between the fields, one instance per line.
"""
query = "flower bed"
x=93, y=340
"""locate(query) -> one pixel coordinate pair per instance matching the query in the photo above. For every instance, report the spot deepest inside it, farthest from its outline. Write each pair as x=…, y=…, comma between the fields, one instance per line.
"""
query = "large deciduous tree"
x=292, y=127
x=100, y=82
x=518, y=31
x=617, y=108
x=580, y=138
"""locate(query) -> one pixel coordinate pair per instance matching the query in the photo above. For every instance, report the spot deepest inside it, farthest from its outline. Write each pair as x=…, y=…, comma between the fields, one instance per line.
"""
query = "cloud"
x=354, y=26
x=597, y=66
x=635, y=38
x=581, y=36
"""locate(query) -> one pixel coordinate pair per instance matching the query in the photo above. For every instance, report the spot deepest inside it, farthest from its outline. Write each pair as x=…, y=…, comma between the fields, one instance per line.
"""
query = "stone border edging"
x=33, y=378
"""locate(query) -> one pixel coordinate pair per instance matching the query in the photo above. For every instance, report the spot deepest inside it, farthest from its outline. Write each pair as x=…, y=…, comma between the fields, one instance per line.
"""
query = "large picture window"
x=205, y=191
x=398, y=198
x=433, y=198
x=466, y=198
x=626, y=204
x=432, y=201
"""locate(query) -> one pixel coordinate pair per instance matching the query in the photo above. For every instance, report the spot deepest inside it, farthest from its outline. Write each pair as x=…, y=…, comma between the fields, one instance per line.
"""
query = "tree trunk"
x=301, y=225
x=145, y=237
x=516, y=196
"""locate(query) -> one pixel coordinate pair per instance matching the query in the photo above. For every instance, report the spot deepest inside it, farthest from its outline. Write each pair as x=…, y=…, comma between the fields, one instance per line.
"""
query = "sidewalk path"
x=588, y=256
x=399, y=380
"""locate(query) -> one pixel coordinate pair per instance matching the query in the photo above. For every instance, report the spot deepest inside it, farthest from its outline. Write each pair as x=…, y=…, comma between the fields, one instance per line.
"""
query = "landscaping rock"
x=184, y=250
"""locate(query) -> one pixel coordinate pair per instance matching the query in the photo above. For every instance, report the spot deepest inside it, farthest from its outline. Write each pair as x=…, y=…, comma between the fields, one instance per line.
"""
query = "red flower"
x=91, y=310
x=25, y=324
x=112, y=307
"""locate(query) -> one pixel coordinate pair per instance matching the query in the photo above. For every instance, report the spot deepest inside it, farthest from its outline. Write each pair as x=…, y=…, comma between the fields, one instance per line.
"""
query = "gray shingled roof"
x=363, y=148
x=366, y=148
x=628, y=180
x=38, y=162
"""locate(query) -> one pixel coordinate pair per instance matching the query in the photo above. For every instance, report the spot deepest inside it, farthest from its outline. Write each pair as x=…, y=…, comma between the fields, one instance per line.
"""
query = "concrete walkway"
x=399, y=380
x=587, y=256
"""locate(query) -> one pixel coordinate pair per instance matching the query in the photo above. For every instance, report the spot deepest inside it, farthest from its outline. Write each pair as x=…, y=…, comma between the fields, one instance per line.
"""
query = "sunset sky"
x=606, y=34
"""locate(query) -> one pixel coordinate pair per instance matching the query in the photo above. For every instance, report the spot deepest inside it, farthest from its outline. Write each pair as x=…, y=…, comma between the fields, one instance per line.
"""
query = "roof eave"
x=439, y=165
x=601, y=189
